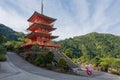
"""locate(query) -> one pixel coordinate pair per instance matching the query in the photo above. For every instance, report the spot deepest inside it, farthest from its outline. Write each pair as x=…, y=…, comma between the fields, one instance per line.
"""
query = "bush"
x=2, y=50
x=75, y=60
x=2, y=57
x=30, y=57
x=62, y=63
x=115, y=72
x=116, y=64
x=38, y=61
x=49, y=57
x=96, y=62
x=104, y=66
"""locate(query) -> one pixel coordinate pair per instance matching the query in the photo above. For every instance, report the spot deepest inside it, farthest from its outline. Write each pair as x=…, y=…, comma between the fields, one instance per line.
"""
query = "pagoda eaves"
x=36, y=26
x=37, y=16
x=34, y=35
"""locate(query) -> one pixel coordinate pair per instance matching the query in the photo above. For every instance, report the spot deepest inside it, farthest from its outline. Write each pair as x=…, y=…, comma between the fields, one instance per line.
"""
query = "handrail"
x=69, y=61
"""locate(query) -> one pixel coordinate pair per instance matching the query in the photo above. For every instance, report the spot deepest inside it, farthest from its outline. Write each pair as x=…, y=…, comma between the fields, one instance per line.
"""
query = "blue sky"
x=74, y=17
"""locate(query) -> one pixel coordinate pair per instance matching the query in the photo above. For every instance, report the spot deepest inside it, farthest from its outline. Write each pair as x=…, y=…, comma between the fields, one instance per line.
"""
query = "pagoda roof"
x=35, y=26
x=34, y=35
x=48, y=19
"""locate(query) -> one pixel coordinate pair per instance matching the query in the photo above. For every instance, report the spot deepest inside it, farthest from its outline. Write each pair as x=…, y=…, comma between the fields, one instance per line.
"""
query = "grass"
x=2, y=57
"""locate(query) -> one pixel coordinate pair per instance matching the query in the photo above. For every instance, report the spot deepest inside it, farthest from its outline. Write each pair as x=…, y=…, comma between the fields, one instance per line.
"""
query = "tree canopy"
x=92, y=45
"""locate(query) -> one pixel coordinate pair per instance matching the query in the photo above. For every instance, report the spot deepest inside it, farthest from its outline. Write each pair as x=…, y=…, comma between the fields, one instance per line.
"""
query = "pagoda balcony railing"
x=43, y=32
x=40, y=43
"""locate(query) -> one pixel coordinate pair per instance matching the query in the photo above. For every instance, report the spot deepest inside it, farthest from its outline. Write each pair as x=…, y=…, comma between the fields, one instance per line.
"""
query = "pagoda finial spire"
x=42, y=7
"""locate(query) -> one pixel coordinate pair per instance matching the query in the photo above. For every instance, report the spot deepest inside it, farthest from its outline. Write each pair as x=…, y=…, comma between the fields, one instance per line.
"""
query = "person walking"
x=89, y=69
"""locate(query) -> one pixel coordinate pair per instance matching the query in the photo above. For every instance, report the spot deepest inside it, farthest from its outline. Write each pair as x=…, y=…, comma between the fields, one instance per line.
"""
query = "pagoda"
x=41, y=27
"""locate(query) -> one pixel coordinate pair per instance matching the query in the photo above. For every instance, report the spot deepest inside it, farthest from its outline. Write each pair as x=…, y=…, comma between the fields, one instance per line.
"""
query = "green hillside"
x=8, y=32
x=93, y=45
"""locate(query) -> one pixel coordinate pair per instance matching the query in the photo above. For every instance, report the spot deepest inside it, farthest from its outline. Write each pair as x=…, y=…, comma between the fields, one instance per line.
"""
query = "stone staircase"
x=70, y=63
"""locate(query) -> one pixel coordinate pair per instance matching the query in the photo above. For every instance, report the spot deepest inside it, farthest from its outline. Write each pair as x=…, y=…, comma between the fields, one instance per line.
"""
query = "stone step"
x=70, y=63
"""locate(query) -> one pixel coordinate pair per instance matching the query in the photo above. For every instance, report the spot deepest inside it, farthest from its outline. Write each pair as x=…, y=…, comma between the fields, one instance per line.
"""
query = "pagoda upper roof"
x=35, y=26
x=48, y=19
x=34, y=35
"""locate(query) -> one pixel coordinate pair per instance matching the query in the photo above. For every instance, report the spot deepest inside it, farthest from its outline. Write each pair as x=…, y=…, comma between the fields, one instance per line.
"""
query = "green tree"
x=39, y=60
x=49, y=57
x=68, y=52
x=62, y=63
x=116, y=64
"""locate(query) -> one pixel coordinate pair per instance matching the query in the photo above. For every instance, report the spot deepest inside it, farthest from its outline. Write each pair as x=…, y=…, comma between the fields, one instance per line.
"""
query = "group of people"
x=89, y=69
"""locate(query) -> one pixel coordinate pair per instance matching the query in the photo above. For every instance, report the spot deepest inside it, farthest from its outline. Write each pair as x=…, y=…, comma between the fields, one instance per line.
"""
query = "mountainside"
x=93, y=45
x=8, y=32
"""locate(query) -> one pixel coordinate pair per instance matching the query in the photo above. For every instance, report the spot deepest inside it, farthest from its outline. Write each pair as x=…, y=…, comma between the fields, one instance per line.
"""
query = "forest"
x=92, y=45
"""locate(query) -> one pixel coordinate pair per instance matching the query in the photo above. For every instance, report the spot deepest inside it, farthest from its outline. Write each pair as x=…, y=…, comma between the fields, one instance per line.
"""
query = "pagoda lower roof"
x=34, y=35
x=48, y=19
x=45, y=45
x=36, y=26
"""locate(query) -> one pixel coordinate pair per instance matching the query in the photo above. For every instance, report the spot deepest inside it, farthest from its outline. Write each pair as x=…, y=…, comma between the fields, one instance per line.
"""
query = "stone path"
x=10, y=72
x=22, y=70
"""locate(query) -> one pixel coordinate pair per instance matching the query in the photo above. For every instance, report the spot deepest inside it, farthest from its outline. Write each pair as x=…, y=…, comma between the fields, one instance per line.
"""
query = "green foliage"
x=83, y=59
x=104, y=66
x=38, y=61
x=2, y=39
x=96, y=61
x=116, y=64
x=8, y=32
x=115, y=72
x=105, y=63
x=49, y=57
x=43, y=56
x=75, y=60
x=2, y=50
x=92, y=45
x=12, y=45
x=62, y=63
x=35, y=48
x=68, y=53
x=2, y=57
x=109, y=61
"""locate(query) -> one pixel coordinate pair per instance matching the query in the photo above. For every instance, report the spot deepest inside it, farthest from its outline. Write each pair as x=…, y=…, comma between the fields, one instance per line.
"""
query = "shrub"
x=96, y=61
x=75, y=60
x=2, y=57
x=115, y=72
x=30, y=57
x=38, y=61
x=116, y=64
x=49, y=57
x=35, y=48
x=2, y=50
x=68, y=53
x=104, y=66
x=62, y=63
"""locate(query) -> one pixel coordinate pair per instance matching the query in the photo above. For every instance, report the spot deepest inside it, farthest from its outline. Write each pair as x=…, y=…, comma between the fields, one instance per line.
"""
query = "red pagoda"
x=40, y=27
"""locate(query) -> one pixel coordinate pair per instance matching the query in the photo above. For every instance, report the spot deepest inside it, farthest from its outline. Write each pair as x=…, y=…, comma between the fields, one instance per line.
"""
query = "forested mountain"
x=92, y=45
x=8, y=32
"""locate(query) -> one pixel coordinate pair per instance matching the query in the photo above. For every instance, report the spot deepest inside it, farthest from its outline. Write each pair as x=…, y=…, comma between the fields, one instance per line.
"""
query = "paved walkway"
x=10, y=72
x=22, y=70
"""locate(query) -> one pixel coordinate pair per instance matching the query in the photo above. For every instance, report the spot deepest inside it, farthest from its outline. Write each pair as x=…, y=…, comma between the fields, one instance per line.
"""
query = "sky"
x=74, y=17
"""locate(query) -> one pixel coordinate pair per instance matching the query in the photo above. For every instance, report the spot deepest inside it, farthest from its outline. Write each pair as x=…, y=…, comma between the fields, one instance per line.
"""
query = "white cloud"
x=12, y=19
